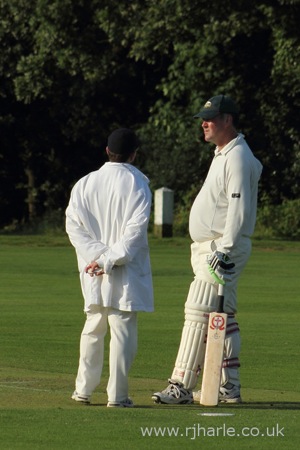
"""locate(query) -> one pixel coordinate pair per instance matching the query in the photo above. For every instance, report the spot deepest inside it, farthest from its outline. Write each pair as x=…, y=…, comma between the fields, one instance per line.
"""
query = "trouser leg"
x=91, y=350
x=231, y=363
x=123, y=347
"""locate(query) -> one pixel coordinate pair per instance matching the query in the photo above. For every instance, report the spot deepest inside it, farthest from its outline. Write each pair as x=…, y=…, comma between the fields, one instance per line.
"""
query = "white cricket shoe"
x=228, y=394
x=82, y=398
x=174, y=394
x=128, y=403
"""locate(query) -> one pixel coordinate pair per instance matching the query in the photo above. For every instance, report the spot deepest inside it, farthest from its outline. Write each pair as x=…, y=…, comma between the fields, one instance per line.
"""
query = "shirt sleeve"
x=238, y=191
x=86, y=245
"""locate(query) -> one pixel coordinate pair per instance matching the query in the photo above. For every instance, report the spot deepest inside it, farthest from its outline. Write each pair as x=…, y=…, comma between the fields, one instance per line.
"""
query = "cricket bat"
x=214, y=354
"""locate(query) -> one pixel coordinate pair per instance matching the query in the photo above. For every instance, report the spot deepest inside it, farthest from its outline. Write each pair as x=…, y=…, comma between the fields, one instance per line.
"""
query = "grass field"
x=41, y=321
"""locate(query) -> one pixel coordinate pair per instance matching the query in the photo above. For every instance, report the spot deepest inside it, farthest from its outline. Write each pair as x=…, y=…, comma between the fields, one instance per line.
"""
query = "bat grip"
x=220, y=298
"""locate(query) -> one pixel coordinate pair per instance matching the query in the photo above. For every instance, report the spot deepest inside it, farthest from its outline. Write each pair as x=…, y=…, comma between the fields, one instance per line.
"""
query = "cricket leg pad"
x=200, y=302
x=231, y=363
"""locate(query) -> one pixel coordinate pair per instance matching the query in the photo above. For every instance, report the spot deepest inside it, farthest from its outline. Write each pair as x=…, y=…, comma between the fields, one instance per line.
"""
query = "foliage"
x=64, y=87
x=279, y=221
x=70, y=72
x=251, y=54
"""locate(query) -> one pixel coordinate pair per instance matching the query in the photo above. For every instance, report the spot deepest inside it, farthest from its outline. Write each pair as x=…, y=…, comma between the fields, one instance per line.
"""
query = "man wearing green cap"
x=222, y=220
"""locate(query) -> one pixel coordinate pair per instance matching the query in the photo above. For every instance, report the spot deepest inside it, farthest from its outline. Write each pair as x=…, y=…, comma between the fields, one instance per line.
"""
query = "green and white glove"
x=220, y=267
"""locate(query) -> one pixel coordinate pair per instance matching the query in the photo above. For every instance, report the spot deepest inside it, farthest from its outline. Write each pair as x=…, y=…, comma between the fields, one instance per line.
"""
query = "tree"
x=70, y=72
x=216, y=47
x=67, y=87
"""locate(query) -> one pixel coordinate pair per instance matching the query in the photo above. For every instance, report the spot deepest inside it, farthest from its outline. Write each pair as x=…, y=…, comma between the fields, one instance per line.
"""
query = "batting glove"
x=220, y=267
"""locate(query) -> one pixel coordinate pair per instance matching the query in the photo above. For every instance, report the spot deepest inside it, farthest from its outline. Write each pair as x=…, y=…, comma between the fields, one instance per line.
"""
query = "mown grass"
x=41, y=321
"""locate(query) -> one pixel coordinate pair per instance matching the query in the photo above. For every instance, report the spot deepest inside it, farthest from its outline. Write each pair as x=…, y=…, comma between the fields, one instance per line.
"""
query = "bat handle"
x=220, y=298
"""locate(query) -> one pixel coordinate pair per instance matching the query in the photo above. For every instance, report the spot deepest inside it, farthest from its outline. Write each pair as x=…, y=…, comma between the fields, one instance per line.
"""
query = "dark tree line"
x=72, y=71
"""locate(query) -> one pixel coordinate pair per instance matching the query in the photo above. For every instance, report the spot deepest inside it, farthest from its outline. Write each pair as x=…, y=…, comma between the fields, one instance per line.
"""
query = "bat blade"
x=213, y=359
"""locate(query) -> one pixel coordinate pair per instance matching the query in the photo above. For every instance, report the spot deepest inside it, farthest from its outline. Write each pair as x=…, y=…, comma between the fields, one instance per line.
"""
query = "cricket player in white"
x=222, y=220
x=106, y=220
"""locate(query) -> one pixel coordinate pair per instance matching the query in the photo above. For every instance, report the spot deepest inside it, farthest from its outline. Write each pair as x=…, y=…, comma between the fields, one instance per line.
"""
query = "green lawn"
x=41, y=321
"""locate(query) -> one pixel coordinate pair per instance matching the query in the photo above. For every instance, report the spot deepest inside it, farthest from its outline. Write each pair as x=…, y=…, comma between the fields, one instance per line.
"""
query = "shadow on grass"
x=220, y=408
x=266, y=405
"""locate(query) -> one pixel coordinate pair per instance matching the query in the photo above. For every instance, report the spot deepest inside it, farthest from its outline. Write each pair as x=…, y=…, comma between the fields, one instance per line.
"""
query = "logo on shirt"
x=236, y=195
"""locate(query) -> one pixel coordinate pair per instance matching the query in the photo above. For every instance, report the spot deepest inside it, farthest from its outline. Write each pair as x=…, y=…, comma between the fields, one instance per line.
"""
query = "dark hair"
x=118, y=157
x=235, y=118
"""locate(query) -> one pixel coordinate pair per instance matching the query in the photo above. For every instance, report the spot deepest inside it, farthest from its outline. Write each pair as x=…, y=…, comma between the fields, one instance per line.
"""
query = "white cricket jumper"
x=225, y=207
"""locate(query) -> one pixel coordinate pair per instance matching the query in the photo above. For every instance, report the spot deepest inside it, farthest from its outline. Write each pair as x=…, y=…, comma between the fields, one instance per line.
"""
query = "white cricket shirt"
x=226, y=204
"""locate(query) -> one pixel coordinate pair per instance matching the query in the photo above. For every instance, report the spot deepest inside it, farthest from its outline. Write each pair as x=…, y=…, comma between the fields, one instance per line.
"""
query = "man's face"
x=214, y=129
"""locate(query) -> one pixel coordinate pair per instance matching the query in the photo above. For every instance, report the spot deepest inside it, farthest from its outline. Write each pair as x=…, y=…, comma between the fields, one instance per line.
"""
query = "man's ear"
x=229, y=119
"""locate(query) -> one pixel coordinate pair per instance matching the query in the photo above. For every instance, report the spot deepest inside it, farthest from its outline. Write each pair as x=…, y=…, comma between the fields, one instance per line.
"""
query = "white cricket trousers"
x=122, y=351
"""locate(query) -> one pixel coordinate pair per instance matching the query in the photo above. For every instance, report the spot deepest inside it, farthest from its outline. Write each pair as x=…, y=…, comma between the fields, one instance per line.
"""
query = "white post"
x=163, y=212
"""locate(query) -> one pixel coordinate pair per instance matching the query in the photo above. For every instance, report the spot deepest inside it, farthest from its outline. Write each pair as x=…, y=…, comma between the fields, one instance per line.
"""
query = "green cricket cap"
x=217, y=105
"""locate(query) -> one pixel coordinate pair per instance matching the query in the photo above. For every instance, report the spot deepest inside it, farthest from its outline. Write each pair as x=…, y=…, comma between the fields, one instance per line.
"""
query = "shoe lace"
x=173, y=389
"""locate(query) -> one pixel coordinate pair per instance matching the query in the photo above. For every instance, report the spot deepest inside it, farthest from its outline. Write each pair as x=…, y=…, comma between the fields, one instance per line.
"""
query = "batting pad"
x=200, y=302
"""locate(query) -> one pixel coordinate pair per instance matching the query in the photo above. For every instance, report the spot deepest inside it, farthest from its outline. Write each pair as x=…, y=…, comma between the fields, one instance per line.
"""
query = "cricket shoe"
x=174, y=394
x=82, y=398
x=228, y=394
x=128, y=403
